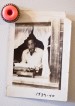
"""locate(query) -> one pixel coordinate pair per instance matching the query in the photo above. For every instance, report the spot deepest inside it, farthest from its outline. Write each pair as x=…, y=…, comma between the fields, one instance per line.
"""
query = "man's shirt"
x=34, y=60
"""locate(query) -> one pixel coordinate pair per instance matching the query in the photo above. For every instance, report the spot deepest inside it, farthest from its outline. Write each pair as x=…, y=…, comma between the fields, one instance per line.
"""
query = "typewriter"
x=21, y=70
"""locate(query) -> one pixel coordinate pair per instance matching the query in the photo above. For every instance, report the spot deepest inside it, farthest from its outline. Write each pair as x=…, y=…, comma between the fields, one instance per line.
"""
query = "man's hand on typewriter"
x=37, y=69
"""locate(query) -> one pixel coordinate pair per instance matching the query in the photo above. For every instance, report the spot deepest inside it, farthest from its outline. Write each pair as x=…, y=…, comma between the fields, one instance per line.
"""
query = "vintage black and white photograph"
x=37, y=55
x=39, y=44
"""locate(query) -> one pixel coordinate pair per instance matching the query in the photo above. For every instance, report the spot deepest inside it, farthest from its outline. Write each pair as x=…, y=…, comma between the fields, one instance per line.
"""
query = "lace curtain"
x=41, y=33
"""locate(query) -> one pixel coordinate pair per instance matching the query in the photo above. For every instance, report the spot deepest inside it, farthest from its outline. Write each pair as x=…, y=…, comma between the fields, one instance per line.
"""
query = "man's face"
x=31, y=45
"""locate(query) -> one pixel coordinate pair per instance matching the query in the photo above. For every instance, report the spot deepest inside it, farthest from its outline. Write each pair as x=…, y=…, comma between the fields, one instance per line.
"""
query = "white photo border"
x=39, y=93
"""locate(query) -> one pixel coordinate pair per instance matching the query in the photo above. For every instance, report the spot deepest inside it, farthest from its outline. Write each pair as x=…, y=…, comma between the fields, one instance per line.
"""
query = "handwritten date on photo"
x=44, y=95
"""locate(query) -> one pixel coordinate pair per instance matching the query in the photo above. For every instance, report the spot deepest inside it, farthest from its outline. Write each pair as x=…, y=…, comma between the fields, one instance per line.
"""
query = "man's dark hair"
x=31, y=37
